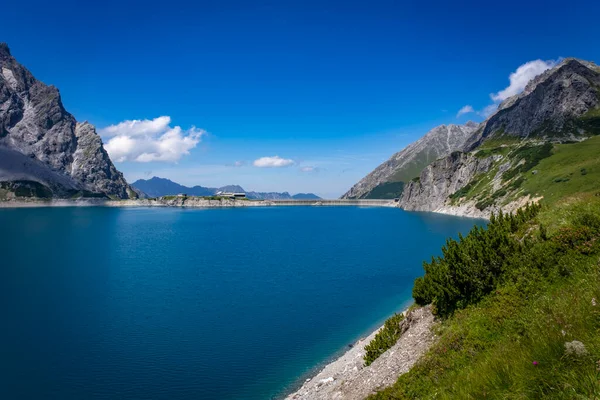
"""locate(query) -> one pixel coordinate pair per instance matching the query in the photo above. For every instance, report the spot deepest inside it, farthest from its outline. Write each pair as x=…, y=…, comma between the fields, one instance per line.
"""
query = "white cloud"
x=239, y=163
x=273, y=162
x=149, y=140
x=465, y=110
x=521, y=77
x=309, y=168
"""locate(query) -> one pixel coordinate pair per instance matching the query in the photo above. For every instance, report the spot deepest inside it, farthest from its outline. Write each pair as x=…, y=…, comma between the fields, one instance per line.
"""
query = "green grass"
x=500, y=140
x=483, y=153
x=29, y=189
x=464, y=191
x=488, y=201
x=560, y=170
x=412, y=169
x=561, y=174
x=527, y=157
x=386, y=190
x=590, y=121
x=79, y=194
x=509, y=342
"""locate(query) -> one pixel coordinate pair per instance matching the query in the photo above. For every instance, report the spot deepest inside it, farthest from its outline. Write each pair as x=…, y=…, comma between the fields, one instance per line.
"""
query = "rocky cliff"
x=65, y=157
x=441, y=179
x=408, y=163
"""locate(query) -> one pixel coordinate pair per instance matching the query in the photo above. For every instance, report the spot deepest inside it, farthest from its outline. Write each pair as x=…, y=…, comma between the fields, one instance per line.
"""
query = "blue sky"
x=331, y=88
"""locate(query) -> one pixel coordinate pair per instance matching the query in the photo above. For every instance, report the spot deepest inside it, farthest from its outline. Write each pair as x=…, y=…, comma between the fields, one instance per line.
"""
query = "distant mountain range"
x=156, y=187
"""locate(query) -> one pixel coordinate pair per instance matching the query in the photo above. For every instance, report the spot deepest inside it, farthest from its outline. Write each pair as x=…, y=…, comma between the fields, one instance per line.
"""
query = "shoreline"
x=346, y=352
x=189, y=202
x=348, y=378
x=193, y=202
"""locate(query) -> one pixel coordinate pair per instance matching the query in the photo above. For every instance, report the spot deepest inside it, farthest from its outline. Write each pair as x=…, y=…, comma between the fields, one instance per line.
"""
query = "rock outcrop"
x=408, y=163
x=68, y=157
x=441, y=179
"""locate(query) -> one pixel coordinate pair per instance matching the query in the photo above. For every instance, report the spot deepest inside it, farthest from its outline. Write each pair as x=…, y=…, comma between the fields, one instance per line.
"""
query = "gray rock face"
x=408, y=163
x=441, y=179
x=34, y=123
x=92, y=166
x=548, y=107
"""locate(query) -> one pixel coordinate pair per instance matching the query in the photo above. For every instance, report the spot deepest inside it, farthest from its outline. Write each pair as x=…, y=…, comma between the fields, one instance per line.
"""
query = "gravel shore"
x=347, y=378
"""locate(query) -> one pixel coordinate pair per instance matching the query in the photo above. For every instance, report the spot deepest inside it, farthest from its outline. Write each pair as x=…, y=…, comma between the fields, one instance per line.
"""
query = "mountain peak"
x=4, y=50
x=567, y=65
x=553, y=106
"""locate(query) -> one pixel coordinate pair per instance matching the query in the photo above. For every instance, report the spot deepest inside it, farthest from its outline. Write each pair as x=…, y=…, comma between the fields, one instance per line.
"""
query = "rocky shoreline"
x=465, y=210
x=192, y=202
x=347, y=378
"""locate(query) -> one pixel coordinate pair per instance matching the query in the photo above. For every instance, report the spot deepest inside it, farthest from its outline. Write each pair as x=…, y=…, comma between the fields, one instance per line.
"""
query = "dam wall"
x=336, y=202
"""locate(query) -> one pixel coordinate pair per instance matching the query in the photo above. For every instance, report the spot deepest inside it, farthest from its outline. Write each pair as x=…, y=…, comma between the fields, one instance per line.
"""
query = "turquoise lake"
x=107, y=303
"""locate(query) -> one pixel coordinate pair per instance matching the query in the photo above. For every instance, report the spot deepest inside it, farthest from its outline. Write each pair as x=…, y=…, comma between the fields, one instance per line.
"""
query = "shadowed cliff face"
x=34, y=122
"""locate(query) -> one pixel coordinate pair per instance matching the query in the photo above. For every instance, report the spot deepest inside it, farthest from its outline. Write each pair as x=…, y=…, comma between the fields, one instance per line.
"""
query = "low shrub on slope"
x=385, y=339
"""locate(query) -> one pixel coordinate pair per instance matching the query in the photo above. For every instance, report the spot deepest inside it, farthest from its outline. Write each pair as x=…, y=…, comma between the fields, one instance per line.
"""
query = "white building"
x=232, y=195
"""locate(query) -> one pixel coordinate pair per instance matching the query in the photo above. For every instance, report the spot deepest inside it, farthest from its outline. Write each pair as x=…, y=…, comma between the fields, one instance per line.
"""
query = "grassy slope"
x=387, y=190
x=511, y=344
x=571, y=168
x=395, y=184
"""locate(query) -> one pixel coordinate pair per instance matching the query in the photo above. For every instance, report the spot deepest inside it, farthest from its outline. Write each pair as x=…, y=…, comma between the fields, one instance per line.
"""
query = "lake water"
x=107, y=303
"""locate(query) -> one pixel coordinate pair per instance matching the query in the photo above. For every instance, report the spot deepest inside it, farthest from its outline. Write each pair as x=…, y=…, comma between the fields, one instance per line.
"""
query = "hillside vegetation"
x=535, y=168
x=519, y=303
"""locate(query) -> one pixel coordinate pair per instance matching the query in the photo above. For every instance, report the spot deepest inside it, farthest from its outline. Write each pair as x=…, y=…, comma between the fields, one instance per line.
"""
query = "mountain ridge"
x=391, y=176
x=156, y=187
